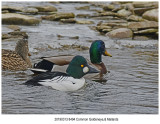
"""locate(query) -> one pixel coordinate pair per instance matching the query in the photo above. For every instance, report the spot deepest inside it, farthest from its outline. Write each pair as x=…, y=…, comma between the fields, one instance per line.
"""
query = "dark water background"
x=131, y=87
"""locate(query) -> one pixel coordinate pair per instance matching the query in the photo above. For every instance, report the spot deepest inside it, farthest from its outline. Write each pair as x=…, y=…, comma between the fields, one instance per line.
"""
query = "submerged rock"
x=120, y=33
x=58, y=16
x=14, y=27
x=19, y=19
x=151, y=15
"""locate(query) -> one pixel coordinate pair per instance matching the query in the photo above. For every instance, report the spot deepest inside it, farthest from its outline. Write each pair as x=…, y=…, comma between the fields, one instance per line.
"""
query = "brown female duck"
x=16, y=60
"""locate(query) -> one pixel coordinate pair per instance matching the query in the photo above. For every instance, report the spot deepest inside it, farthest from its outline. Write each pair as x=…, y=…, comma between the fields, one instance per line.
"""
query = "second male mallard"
x=60, y=63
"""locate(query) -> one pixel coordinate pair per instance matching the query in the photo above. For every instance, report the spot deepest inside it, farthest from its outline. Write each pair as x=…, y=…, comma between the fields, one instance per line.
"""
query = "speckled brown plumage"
x=18, y=59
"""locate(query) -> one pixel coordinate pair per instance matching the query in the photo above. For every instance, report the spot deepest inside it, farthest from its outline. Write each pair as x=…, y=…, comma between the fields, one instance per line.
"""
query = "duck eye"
x=82, y=66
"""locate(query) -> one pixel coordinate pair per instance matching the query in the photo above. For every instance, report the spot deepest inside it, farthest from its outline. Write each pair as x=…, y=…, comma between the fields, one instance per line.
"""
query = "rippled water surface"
x=131, y=87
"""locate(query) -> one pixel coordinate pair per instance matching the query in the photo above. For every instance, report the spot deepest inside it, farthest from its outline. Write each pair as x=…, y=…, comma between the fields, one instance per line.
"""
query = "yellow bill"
x=107, y=54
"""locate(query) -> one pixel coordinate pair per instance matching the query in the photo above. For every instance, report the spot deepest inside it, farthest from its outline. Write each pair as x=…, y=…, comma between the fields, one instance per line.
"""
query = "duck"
x=72, y=80
x=55, y=63
x=17, y=60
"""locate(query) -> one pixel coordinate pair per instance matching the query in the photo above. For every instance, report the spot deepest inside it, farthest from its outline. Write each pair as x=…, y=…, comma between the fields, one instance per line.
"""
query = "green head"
x=78, y=67
x=96, y=51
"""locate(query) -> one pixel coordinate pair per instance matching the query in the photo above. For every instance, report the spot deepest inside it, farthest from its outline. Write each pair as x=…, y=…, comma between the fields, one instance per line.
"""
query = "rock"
x=104, y=29
x=73, y=46
x=113, y=7
x=14, y=27
x=46, y=8
x=139, y=25
x=141, y=38
x=146, y=31
x=5, y=36
x=120, y=33
x=110, y=14
x=58, y=16
x=140, y=11
x=14, y=35
x=151, y=15
x=124, y=12
x=145, y=4
x=19, y=34
x=84, y=22
x=129, y=7
x=83, y=8
x=108, y=7
x=19, y=19
x=72, y=37
x=30, y=10
x=13, y=8
x=71, y=20
x=115, y=25
x=5, y=11
x=135, y=18
x=83, y=15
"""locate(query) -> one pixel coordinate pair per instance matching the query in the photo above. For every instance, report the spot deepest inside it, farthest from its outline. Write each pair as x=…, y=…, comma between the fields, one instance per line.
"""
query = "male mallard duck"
x=60, y=63
x=18, y=59
x=70, y=81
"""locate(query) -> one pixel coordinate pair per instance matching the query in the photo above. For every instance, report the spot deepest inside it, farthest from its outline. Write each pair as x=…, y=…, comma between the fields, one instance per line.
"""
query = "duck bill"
x=106, y=53
x=92, y=70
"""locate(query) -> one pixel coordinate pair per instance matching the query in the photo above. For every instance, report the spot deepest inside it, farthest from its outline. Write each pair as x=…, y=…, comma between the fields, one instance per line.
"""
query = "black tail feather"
x=44, y=64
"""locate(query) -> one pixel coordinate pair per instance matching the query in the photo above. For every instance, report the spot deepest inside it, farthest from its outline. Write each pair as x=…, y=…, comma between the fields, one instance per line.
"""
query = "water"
x=131, y=87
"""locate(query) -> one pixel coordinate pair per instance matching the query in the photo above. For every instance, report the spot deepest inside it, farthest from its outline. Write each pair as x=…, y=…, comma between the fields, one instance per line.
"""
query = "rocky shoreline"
x=120, y=20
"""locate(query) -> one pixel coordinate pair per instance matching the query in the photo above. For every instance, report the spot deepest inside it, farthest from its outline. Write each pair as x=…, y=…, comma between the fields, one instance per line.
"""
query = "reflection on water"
x=131, y=87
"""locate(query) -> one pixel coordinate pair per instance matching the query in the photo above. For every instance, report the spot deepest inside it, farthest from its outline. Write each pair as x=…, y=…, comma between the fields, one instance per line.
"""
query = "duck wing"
x=47, y=64
x=51, y=76
x=60, y=60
